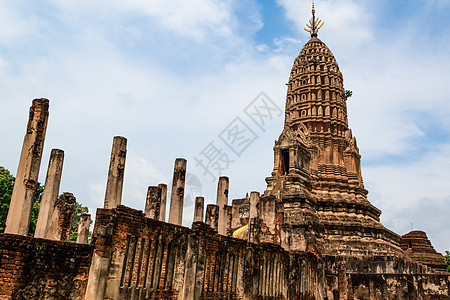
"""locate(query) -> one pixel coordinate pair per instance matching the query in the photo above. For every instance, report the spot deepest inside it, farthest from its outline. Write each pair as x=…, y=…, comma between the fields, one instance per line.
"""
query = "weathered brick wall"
x=32, y=268
x=149, y=260
x=396, y=286
x=147, y=256
x=383, y=277
x=417, y=246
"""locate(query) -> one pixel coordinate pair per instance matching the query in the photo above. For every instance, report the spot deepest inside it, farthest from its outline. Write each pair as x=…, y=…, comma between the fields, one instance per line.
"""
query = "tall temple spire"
x=314, y=24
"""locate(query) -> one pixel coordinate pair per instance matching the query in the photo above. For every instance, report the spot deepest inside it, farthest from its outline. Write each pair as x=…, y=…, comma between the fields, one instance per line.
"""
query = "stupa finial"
x=314, y=24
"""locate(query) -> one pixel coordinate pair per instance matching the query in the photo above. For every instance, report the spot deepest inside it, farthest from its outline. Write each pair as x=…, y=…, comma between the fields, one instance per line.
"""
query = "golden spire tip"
x=316, y=24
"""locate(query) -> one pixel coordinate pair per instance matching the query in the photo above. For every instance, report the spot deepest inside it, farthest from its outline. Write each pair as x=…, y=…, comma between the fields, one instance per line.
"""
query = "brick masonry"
x=150, y=260
x=33, y=268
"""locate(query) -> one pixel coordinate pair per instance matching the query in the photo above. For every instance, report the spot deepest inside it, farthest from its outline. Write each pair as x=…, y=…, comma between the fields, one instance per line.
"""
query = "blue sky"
x=172, y=75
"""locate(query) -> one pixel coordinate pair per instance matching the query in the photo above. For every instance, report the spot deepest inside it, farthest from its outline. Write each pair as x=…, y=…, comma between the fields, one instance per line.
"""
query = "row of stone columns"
x=55, y=214
x=155, y=206
x=51, y=210
x=216, y=214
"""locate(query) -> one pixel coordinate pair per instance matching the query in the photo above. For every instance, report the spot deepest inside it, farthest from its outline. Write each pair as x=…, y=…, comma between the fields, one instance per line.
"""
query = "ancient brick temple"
x=315, y=198
x=311, y=235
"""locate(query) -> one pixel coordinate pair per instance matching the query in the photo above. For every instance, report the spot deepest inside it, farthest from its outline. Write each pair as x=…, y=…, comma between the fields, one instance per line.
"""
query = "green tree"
x=347, y=94
x=6, y=188
x=35, y=210
x=447, y=260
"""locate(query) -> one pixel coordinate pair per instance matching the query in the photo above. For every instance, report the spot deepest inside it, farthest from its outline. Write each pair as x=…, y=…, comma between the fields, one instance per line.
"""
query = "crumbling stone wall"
x=155, y=260
x=146, y=255
x=32, y=268
x=417, y=246
x=150, y=259
x=395, y=286
x=383, y=277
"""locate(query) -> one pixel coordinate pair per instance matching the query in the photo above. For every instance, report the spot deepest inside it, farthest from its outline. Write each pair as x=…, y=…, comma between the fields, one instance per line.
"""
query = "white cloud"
x=415, y=193
x=194, y=19
x=139, y=175
x=171, y=75
x=399, y=83
x=346, y=23
x=16, y=24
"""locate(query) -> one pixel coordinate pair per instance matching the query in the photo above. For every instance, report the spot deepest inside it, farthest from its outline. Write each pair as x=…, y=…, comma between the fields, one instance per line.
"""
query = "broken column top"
x=18, y=219
x=83, y=228
x=212, y=216
x=40, y=104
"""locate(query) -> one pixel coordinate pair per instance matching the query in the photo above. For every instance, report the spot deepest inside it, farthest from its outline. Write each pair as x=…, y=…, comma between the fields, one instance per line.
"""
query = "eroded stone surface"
x=417, y=246
x=18, y=220
x=177, y=196
x=153, y=203
x=114, y=186
x=51, y=192
x=199, y=208
x=315, y=196
x=163, y=188
x=62, y=218
x=212, y=216
x=222, y=202
x=83, y=229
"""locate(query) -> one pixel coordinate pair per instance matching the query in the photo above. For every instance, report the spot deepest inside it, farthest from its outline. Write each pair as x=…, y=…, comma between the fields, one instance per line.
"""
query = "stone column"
x=177, y=196
x=191, y=259
x=153, y=203
x=254, y=220
x=163, y=190
x=222, y=201
x=254, y=205
x=101, y=258
x=228, y=218
x=18, y=219
x=342, y=280
x=51, y=192
x=199, y=207
x=62, y=218
x=212, y=216
x=113, y=195
x=83, y=229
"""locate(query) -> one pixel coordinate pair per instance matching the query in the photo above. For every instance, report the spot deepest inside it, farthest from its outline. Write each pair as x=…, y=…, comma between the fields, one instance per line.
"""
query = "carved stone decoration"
x=316, y=179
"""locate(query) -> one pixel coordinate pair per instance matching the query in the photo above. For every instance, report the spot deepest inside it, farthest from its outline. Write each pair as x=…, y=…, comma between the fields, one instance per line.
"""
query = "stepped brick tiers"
x=417, y=246
x=316, y=179
x=312, y=234
x=315, y=196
